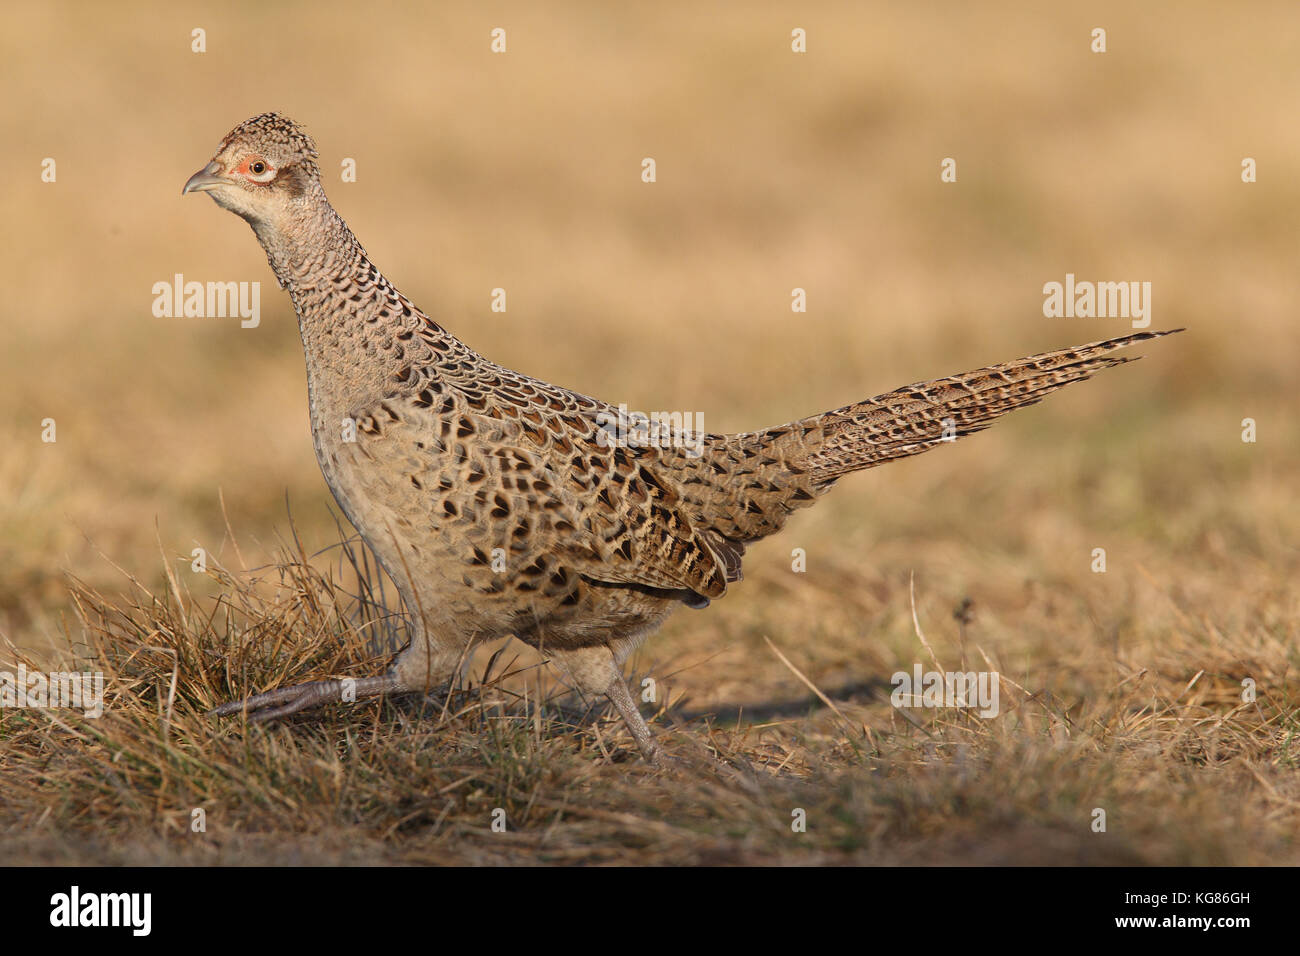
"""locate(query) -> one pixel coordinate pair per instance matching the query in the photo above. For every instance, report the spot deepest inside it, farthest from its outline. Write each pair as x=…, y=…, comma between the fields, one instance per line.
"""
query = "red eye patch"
x=255, y=168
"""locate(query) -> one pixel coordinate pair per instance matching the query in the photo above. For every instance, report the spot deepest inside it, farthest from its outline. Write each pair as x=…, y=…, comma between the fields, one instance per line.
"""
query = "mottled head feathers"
x=277, y=138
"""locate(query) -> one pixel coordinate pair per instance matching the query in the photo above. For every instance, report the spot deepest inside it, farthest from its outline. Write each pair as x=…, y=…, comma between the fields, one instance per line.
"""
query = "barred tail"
x=750, y=483
x=915, y=418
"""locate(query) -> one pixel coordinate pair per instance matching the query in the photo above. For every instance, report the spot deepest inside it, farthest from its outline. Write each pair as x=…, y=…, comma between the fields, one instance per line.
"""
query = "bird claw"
x=283, y=701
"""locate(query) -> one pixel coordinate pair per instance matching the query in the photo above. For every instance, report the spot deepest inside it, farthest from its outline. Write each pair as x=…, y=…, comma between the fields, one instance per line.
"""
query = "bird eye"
x=257, y=169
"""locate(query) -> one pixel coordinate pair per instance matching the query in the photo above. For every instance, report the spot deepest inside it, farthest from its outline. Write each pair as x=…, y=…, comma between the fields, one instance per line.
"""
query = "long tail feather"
x=915, y=418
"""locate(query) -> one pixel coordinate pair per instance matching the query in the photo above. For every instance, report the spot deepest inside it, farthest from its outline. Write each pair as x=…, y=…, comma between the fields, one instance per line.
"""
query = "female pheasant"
x=503, y=505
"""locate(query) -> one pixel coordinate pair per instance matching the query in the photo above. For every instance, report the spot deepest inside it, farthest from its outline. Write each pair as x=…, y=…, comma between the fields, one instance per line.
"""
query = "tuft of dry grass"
x=423, y=779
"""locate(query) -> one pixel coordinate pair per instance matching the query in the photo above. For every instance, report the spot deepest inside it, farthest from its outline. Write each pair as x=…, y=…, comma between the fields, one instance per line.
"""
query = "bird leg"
x=289, y=700
x=621, y=697
x=597, y=671
x=589, y=667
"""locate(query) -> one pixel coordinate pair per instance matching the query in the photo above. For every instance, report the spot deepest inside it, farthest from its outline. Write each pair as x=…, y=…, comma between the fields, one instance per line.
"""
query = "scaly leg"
x=289, y=700
x=621, y=697
x=595, y=671
x=420, y=667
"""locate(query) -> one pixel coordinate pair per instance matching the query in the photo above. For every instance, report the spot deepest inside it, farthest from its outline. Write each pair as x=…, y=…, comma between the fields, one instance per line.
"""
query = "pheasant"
x=503, y=505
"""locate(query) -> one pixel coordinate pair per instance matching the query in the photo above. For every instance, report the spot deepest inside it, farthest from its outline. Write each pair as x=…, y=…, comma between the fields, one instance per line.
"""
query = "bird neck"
x=310, y=247
x=337, y=292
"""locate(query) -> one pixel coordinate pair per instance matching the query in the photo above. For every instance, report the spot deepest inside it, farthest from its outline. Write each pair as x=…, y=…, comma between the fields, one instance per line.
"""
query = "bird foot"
x=660, y=759
x=289, y=700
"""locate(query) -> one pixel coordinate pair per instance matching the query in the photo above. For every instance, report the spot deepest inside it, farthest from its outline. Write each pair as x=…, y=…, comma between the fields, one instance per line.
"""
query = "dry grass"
x=1187, y=773
x=1123, y=689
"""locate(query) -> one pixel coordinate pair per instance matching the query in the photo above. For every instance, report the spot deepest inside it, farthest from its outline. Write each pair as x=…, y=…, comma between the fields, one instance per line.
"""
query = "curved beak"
x=206, y=178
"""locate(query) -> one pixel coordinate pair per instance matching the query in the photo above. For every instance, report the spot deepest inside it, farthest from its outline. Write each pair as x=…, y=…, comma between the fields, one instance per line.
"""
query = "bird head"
x=262, y=171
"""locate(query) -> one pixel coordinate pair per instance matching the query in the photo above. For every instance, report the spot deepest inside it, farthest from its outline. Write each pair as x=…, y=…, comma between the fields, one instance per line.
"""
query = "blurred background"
x=775, y=170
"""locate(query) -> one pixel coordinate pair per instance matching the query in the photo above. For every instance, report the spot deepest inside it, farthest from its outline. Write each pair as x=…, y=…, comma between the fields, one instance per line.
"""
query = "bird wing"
x=533, y=465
